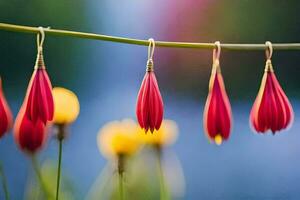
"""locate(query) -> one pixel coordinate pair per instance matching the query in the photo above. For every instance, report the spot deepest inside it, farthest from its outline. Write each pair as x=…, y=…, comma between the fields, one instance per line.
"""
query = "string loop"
x=269, y=50
x=40, y=39
x=269, y=53
x=217, y=51
x=151, y=48
x=216, y=57
x=39, y=64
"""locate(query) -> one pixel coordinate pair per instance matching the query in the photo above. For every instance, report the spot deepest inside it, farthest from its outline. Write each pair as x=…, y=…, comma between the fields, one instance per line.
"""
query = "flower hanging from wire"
x=271, y=109
x=149, y=107
x=217, y=112
x=6, y=118
x=37, y=108
x=40, y=103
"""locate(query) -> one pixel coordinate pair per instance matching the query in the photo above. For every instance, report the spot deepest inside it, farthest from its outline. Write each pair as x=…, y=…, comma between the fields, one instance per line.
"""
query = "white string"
x=151, y=48
x=40, y=41
x=217, y=51
x=269, y=50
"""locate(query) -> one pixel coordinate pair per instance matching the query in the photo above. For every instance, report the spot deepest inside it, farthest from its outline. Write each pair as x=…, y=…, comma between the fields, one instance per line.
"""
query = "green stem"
x=58, y=32
x=39, y=176
x=4, y=182
x=164, y=194
x=121, y=187
x=58, y=168
x=121, y=166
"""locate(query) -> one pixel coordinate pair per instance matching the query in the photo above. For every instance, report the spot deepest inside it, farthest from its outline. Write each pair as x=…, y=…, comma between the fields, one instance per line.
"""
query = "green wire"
x=58, y=32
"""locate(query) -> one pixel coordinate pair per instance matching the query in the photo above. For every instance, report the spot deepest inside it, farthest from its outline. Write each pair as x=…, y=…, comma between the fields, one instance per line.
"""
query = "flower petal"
x=30, y=136
x=5, y=114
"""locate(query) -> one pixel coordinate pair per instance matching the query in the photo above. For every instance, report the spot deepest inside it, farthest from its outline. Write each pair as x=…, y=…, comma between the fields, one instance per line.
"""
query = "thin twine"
x=39, y=64
x=217, y=51
x=216, y=57
x=40, y=41
x=151, y=48
x=269, y=53
x=269, y=50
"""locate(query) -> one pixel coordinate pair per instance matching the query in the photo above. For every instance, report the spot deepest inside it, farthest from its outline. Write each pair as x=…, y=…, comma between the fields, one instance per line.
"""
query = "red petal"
x=30, y=136
x=48, y=95
x=287, y=107
x=139, y=103
x=145, y=104
x=5, y=114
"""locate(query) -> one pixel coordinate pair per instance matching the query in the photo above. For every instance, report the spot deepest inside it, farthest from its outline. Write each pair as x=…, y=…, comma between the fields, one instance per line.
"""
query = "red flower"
x=40, y=105
x=217, y=111
x=149, y=107
x=6, y=118
x=37, y=109
x=30, y=136
x=272, y=109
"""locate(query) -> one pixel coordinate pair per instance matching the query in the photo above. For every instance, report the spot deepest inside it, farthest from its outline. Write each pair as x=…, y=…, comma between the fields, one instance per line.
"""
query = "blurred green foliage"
x=49, y=174
x=141, y=178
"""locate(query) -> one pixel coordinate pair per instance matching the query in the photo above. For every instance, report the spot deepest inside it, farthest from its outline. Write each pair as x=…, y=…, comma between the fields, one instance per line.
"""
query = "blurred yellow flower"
x=66, y=106
x=166, y=135
x=119, y=138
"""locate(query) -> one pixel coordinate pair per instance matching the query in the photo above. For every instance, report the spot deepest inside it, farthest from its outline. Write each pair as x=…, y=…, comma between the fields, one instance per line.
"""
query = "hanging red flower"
x=6, y=118
x=149, y=107
x=37, y=108
x=217, y=117
x=271, y=109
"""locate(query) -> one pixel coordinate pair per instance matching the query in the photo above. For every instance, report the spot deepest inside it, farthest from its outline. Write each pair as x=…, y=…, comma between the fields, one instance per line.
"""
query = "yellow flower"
x=66, y=106
x=119, y=138
x=166, y=135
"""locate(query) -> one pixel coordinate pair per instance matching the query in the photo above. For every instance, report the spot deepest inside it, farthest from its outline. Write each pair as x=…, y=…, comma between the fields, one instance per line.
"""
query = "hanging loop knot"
x=151, y=48
x=269, y=53
x=40, y=38
x=39, y=64
x=269, y=50
x=216, y=56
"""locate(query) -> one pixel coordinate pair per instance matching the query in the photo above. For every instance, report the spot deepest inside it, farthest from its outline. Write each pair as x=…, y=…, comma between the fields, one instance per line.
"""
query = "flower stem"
x=120, y=173
x=36, y=168
x=164, y=194
x=58, y=168
x=121, y=187
x=4, y=182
